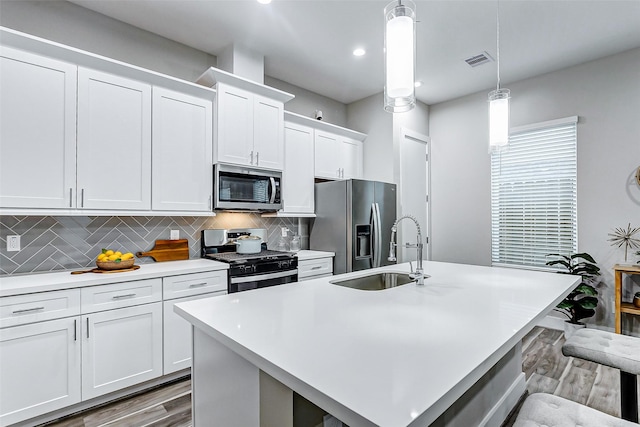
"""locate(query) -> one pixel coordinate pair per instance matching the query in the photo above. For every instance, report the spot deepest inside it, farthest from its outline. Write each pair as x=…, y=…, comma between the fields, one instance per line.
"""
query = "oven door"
x=263, y=280
x=243, y=188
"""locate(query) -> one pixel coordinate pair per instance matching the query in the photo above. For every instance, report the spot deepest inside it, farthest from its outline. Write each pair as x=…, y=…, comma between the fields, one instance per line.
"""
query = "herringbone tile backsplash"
x=51, y=243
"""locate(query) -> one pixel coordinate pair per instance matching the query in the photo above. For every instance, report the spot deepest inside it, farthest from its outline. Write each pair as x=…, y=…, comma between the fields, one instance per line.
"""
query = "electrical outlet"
x=175, y=234
x=13, y=243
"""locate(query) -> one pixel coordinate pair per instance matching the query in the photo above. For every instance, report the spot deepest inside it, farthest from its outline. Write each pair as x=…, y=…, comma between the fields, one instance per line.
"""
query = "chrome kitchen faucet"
x=419, y=273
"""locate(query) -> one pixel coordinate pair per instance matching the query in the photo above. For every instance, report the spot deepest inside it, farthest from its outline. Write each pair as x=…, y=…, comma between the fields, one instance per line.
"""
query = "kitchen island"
x=446, y=353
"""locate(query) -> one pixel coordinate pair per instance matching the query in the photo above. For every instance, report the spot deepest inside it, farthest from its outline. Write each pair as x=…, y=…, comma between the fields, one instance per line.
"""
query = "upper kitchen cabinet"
x=297, y=177
x=37, y=131
x=249, y=121
x=182, y=175
x=114, y=142
x=338, y=153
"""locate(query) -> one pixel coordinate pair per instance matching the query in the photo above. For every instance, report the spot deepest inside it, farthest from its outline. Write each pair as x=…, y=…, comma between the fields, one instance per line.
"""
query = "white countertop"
x=306, y=254
x=395, y=357
x=40, y=282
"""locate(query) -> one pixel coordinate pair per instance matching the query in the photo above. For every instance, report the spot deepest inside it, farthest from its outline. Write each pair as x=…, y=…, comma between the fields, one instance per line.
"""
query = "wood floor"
x=546, y=369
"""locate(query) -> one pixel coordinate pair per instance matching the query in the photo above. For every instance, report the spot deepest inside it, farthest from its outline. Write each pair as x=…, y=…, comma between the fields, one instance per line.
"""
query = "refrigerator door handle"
x=374, y=225
x=378, y=236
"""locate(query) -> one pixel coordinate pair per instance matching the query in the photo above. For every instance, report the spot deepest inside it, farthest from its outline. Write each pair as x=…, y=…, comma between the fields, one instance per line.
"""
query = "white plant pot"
x=571, y=328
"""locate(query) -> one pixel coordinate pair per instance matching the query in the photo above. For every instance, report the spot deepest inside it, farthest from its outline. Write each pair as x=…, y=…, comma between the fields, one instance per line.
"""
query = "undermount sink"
x=375, y=281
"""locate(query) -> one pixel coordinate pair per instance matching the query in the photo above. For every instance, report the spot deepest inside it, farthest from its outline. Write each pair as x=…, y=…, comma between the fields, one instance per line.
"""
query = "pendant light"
x=399, y=58
x=498, y=105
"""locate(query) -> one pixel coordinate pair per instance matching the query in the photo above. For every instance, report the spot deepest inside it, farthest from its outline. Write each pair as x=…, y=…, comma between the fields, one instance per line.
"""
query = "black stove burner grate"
x=236, y=257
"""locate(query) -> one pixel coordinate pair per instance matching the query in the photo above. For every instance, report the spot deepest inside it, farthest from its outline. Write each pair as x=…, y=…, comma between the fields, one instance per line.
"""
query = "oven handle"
x=258, y=277
x=272, y=199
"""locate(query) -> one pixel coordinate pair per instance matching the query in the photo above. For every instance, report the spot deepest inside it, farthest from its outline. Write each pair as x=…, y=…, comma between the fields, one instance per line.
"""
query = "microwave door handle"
x=273, y=190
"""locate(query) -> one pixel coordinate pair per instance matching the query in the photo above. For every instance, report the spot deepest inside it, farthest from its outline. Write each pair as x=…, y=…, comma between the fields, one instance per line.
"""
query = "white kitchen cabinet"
x=337, y=156
x=39, y=368
x=182, y=173
x=248, y=129
x=121, y=348
x=114, y=142
x=298, y=174
x=314, y=268
x=177, y=331
x=37, y=131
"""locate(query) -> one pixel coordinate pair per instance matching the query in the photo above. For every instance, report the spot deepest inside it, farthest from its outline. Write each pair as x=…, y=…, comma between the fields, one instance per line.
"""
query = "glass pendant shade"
x=399, y=38
x=498, y=120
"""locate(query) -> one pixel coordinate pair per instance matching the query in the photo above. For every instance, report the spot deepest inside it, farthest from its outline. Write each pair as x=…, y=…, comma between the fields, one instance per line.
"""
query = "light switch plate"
x=175, y=234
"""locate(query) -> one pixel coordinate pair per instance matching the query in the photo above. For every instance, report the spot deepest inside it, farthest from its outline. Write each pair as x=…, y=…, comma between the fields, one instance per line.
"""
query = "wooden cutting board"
x=100, y=270
x=168, y=250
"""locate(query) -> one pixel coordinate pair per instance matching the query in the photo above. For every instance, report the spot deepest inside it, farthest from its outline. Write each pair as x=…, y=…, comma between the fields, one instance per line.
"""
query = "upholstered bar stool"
x=617, y=351
x=541, y=409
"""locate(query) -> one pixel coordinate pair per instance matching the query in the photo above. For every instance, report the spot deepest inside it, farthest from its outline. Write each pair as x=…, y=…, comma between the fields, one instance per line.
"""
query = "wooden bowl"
x=113, y=265
x=636, y=301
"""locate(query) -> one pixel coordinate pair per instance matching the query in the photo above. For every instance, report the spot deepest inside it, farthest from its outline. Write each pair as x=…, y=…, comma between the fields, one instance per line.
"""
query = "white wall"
x=605, y=94
x=84, y=29
x=306, y=103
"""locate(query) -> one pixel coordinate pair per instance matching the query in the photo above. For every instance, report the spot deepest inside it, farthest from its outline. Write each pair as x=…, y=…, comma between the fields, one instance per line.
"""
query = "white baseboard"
x=499, y=413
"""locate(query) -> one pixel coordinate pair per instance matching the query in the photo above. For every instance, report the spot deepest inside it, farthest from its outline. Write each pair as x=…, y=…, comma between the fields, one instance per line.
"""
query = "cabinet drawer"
x=315, y=267
x=194, y=284
x=22, y=309
x=125, y=294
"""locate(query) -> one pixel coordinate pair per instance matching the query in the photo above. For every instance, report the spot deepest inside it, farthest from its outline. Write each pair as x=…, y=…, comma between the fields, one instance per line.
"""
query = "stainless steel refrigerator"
x=354, y=219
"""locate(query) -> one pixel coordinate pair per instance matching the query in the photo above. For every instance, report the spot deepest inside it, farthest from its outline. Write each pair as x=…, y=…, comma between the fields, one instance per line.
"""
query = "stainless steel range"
x=249, y=271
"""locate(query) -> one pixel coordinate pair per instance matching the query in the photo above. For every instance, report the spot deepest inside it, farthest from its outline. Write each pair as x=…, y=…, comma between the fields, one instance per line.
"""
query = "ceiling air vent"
x=480, y=59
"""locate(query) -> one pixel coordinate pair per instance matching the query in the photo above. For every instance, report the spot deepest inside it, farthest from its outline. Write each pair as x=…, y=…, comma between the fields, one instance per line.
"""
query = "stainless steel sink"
x=375, y=281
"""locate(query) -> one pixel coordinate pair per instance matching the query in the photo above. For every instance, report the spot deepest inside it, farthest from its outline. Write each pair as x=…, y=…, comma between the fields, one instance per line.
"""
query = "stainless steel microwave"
x=245, y=188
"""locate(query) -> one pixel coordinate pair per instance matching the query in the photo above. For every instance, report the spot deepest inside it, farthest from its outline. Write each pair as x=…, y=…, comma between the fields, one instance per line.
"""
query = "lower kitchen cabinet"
x=314, y=268
x=39, y=368
x=177, y=335
x=121, y=348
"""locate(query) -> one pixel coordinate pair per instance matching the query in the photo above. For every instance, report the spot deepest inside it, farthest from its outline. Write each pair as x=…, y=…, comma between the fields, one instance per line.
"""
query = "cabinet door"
x=114, y=142
x=121, y=348
x=182, y=174
x=40, y=369
x=268, y=141
x=327, y=162
x=351, y=158
x=37, y=131
x=234, y=126
x=297, y=177
x=177, y=335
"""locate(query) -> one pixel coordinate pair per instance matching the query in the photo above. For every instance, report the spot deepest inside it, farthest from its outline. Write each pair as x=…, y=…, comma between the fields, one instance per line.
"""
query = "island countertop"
x=395, y=357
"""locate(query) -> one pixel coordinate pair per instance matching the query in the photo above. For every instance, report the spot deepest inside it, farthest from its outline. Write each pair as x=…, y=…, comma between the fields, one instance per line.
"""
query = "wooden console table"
x=623, y=307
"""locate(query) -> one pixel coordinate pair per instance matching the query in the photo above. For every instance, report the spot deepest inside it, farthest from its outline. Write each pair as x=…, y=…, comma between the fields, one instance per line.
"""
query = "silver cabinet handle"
x=123, y=296
x=257, y=157
x=28, y=310
x=82, y=198
x=317, y=267
x=75, y=330
x=195, y=285
x=251, y=157
x=87, y=327
x=70, y=197
x=338, y=172
x=209, y=202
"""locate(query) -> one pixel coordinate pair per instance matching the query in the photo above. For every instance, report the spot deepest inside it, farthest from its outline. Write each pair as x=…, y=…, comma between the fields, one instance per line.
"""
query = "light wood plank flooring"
x=546, y=370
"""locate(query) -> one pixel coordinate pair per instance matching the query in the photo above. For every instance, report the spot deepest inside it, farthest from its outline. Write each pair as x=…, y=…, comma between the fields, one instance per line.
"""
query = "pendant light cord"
x=498, y=40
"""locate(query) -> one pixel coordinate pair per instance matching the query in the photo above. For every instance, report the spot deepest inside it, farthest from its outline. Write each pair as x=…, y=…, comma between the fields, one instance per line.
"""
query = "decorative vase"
x=636, y=301
x=571, y=328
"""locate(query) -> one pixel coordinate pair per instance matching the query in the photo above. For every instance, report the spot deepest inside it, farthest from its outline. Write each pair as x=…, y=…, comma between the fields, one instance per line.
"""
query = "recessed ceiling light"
x=264, y=1
x=418, y=84
x=359, y=52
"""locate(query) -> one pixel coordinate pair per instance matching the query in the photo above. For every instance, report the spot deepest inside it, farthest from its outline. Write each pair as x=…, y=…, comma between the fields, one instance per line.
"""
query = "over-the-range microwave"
x=246, y=188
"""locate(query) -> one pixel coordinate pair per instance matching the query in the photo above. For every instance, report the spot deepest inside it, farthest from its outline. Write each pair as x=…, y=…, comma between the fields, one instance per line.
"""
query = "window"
x=534, y=194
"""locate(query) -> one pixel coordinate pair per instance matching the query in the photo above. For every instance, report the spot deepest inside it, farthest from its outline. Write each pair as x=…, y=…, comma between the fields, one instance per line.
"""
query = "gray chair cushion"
x=615, y=350
x=541, y=409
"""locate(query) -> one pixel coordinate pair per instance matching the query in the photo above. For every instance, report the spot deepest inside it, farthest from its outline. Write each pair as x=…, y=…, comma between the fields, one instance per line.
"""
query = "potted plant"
x=582, y=301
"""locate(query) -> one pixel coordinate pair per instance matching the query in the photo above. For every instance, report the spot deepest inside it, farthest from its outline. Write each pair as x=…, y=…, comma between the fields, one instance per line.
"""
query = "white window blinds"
x=534, y=194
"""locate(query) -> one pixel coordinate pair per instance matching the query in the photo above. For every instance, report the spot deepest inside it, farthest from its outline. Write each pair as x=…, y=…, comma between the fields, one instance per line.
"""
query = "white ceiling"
x=309, y=43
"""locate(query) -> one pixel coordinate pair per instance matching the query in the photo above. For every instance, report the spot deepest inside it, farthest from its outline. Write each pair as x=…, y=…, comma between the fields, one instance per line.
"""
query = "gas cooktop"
x=265, y=254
